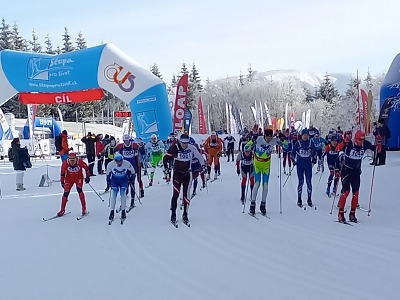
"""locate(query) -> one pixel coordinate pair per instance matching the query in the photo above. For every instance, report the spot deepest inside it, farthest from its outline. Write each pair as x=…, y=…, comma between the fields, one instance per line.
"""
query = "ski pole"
x=247, y=188
x=287, y=177
x=320, y=177
x=334, y=196
x=372, y=185
x=134, y=190
x=280, y=184
x=95, y=191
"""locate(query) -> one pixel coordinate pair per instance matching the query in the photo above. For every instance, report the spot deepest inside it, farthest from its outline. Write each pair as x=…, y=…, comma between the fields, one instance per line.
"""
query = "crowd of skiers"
x=185, y=161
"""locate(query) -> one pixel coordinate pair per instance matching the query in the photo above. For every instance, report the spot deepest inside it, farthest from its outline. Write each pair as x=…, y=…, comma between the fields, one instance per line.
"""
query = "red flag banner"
x=202, y=119
x=364, y=99
x=274, y=124
x=61, y=98
x=180, y=104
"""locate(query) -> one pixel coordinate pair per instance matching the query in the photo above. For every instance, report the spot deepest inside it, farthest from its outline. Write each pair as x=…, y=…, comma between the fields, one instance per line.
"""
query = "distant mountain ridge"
x=310, y=80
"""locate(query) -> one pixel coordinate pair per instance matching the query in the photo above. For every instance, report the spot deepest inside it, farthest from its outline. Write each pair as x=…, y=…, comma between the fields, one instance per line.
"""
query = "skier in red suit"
x=72, y=173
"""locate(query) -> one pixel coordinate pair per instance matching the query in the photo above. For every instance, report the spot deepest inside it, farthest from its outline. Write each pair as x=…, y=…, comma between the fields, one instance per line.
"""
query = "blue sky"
x=223, y=37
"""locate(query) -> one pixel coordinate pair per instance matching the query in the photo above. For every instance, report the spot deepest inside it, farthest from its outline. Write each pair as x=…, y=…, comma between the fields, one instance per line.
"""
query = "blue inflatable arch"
x=103, y=66
x=390, y=103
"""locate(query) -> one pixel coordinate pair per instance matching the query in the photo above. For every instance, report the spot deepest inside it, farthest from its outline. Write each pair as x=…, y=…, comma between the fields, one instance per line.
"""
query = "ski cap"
x=184, y=138
x=126, y=137
x=304, y=131
x=118, y=157
x=72, y=155
x=359, y=136
x=247, y=148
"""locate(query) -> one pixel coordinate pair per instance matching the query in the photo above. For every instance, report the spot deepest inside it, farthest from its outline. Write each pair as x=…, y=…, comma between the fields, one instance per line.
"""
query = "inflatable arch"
x=46, y=123
x=103, y=66
x=390, y=103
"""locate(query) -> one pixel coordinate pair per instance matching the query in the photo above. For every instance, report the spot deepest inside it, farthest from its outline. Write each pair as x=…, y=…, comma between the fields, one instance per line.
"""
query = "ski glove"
x=87, y=179
x=294, y=162
x=62, y=184
x=238, y=171
x=314, y=161
x=204, y=168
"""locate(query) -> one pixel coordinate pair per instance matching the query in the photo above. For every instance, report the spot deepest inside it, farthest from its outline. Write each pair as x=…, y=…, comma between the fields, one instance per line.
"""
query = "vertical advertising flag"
x=6, y=133
x=180, y=104
x=188, y=120
x=268, y=115
x=227, y=117
x=364, y=101
x=308, y=118
x=202, y=119
x=369, y=110
x=292, y=120
x=262, y=116
x=286, y=116
x=303, y=120
x=274, y=124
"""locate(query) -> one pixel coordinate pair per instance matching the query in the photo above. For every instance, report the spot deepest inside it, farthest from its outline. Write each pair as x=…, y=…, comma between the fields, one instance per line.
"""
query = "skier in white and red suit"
x=72, y=170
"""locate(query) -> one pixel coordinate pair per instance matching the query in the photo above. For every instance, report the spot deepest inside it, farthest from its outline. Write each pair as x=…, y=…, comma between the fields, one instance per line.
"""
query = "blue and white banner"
x=103, y=66
x=5, y=130
x=188, y=120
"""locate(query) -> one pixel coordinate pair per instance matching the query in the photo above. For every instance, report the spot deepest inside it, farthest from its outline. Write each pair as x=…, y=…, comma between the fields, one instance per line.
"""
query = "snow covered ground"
x=299, y=254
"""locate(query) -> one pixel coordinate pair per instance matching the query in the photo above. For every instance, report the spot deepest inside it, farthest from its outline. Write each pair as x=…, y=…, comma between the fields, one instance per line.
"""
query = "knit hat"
x=118, y=157
x=184, y=138
x=247, y=148
x=304, y=131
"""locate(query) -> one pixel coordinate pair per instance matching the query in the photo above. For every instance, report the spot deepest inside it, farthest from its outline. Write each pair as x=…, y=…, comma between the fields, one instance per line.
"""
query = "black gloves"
x=87, y=179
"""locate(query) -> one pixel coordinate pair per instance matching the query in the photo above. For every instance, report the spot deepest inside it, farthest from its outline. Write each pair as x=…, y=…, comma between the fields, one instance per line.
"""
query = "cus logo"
x=114, y=73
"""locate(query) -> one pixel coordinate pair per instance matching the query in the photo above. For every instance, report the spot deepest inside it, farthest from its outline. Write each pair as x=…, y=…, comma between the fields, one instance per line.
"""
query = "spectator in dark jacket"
x=100, y=144
x=382, y=134
x=90, y=141
x=18, y=154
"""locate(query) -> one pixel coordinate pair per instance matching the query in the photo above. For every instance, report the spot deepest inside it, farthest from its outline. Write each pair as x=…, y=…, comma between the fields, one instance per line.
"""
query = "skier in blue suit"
x=304, y=156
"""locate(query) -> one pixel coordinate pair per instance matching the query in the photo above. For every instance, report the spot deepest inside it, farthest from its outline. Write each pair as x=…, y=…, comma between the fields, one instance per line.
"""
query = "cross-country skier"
x=72, y=170
x=351, y=159
x=155, y=148
x=263, y=148
x=312, y=131
x=304, y=156
x=245, y=167
x=332, y=153
x=120, y=174
x=183, y=153
x=319, y=144
x=142, y=155
x=130, y=153
x=197, y=168
x=243, y=141
x=213, y=146
x=287, y=146
x=230, y=145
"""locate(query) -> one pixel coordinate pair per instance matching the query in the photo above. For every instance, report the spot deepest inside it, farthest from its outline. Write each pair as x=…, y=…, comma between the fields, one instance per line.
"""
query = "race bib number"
x=184, y=156
x=304, y=152
x=247, y=162
x=267, y=149
x=356, y=154
x=128, y=153
x=74, y=169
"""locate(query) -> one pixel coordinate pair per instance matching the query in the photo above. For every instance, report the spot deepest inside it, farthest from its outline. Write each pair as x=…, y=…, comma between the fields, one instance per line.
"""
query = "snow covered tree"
x=250, y=74
x=19, y=42
x=195, y=80
x=67, y=44
x=6, y=36
x=58, y=50
x=35, y=46
x=80, y=41
x=368, y=80
x=241, y=79
x=49, y=45
x=154, y=69
x=184, y=70
x=174, y=83
x=327, y=91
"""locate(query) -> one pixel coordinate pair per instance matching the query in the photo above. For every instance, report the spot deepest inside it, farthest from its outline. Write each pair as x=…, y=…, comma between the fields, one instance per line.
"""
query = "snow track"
x=225, y=254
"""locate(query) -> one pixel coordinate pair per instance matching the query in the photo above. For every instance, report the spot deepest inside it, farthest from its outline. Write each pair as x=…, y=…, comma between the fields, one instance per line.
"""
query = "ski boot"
x=132, y=203
x=252, y=210
x=173, y=218
x=242, y=199
x=219, y=172
x=318, y=168
x=185, y=218
x=61, y=213
x=341, y=217
x=328, y=191
x=193, y=194
x=204, y=185
x=263, y=210
x=151, y=182
x=208, y=176
x=141, y=193
x=111, y=216
x=299, y=202
x=215, y=176
x=284, y=171
x=352, y=216
x=123, y=214
x=309, y=202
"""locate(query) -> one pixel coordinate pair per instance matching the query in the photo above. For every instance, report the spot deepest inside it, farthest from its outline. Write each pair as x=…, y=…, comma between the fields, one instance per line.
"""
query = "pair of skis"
x=67, y=213
x=255, y=215
x=111, y=221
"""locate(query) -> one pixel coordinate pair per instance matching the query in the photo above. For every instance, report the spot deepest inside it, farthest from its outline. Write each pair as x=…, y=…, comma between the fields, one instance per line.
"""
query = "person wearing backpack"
x=61, y=143
x=18, y=159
